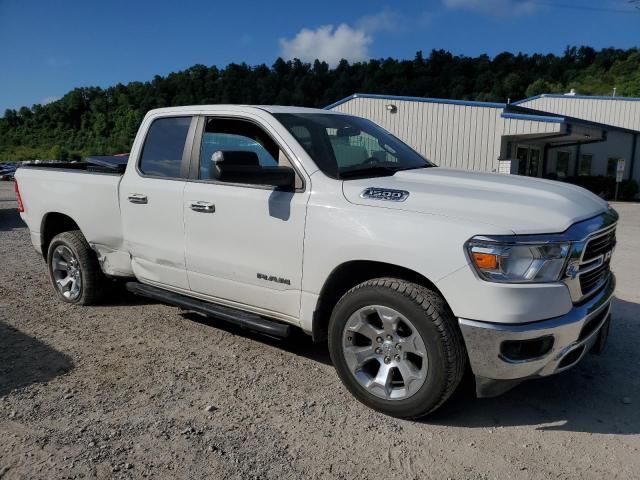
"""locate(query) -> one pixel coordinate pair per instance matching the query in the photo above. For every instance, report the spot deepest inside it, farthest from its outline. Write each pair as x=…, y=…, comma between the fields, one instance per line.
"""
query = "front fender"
x=430, y=245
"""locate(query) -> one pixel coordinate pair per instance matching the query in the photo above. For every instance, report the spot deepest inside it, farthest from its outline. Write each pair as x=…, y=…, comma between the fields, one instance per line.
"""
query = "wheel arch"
x=348, y=275
x=54, y=223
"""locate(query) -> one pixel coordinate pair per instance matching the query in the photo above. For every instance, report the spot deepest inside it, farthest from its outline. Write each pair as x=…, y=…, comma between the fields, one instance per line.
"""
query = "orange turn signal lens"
x=486, y=261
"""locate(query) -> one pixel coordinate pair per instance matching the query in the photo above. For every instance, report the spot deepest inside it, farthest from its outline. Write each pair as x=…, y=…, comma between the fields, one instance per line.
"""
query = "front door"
x=534, y=162
x=529, y=161
x=151, y=198
x=244, y=242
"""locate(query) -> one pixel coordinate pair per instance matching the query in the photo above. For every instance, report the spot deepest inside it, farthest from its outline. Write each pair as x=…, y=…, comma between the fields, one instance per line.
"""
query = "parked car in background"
x=275, y=217
x=7, y=171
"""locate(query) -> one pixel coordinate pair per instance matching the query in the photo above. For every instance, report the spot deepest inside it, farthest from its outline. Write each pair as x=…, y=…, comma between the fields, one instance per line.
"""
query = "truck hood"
x=522, y=205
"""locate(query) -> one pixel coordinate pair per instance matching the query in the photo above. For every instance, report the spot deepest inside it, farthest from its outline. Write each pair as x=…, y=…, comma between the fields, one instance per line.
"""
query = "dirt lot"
x=136, y=389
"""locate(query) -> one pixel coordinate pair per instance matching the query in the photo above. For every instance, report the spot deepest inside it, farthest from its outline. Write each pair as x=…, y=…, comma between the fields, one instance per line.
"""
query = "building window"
x=562, y=164
x=585, y=164
x=612, y=166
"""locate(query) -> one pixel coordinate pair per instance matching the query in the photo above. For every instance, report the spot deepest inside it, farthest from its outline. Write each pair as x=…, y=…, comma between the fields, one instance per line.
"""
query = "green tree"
x=104, y=121
x=55, y=153
x=538, y=87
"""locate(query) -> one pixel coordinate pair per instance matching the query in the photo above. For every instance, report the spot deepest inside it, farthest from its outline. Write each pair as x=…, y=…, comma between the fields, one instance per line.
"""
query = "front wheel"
x=396, y=347
x=74, y=270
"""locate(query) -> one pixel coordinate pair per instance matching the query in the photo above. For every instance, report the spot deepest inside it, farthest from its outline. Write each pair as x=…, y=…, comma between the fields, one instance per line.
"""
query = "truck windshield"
x=345, y=147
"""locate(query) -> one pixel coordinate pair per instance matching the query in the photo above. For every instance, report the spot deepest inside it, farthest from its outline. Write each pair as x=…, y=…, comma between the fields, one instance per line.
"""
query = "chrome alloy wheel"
x=67, y=274
x=385, y=353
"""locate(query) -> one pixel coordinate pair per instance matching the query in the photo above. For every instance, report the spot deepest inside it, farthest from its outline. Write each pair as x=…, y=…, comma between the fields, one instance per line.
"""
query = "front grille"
x=599, y=245
x=588, y=266
x=592, y=280
x=597, y=250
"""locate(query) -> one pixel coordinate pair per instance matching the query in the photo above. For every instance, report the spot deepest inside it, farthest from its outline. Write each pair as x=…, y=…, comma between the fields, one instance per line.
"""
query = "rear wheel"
x=396, y=347
x=74, y=270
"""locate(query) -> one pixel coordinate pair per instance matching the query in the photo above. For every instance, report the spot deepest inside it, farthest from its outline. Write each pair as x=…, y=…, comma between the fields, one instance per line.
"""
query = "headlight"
x=516, y=262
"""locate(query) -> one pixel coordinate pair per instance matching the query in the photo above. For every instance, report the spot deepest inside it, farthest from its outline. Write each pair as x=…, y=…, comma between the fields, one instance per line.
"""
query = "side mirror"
x=244, y=167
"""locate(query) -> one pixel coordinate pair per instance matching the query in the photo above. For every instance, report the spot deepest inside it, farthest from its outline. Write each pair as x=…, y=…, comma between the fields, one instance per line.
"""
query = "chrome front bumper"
x=574, y=334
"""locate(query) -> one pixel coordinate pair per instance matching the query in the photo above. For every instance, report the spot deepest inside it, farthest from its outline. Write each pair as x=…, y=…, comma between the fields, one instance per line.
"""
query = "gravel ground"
x=136, y=389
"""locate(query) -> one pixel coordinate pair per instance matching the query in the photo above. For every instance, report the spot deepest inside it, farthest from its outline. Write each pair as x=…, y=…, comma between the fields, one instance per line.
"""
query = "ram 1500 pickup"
x=282, y=217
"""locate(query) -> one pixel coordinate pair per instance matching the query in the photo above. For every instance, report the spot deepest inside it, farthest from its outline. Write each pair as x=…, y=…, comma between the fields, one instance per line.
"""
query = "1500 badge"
x=385, y=194
x=273, y=278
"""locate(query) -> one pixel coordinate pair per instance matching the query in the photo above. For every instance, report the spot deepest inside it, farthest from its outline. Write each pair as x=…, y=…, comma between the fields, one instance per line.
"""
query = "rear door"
x=244, y=242
x=151, y=199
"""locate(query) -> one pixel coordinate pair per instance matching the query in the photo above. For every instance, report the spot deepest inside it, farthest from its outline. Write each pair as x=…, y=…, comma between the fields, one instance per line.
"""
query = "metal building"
x=542, y=136
x=617, y=111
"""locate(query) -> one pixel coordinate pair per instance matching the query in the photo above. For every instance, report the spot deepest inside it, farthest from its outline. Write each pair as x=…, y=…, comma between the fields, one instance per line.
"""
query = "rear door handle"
x=203, y=207
x=137, y=198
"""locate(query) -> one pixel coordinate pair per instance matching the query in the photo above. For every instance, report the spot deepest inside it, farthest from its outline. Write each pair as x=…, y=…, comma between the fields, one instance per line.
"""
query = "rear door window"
x=164, y=147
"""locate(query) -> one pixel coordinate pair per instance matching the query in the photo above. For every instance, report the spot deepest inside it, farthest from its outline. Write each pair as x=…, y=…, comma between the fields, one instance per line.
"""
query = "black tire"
x=437, y=327
x=94, y=284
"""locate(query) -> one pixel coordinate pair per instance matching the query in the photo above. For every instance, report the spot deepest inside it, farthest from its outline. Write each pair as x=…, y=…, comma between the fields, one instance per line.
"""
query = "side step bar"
x=246, y=320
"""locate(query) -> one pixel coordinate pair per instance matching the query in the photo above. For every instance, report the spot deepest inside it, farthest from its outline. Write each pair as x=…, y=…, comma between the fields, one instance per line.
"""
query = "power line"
x=586, y=8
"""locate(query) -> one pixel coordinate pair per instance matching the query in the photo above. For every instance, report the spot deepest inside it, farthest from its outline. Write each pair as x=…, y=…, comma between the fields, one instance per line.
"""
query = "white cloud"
x=329, y=44
x=50, y=99
x=496, y=8
x=387, y=20
x=333, y=44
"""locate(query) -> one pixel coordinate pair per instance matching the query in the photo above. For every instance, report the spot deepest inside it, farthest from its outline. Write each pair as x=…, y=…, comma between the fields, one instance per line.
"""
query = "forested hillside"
x=93, y=120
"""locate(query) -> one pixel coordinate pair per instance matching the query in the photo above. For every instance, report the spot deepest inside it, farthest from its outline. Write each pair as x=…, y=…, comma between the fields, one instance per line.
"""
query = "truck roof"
x=227, y=107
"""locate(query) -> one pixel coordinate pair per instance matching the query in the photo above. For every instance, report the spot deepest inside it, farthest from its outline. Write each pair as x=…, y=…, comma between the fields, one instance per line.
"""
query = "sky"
x=50, y=47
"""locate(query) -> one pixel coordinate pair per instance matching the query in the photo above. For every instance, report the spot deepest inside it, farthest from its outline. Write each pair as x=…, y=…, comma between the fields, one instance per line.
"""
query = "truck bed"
x=86, y=193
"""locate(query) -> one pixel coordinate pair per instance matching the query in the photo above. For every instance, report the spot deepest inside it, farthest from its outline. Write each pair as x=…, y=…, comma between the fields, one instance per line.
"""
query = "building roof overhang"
x=576, y=97
x=514, y=110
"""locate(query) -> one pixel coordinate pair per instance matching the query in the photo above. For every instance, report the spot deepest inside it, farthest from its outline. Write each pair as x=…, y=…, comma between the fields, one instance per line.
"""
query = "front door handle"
x=137, y=198
x=204, y=207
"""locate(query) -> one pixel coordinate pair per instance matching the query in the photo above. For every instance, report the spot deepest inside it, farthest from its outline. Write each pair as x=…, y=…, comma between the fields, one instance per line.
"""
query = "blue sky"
x=50, y=47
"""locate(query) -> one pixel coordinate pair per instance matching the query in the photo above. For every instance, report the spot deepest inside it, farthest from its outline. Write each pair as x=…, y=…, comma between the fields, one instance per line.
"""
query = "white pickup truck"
x=282, y=217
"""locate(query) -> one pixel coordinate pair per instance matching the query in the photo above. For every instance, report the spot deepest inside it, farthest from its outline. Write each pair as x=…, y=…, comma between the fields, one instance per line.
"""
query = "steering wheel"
x=370, y=161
